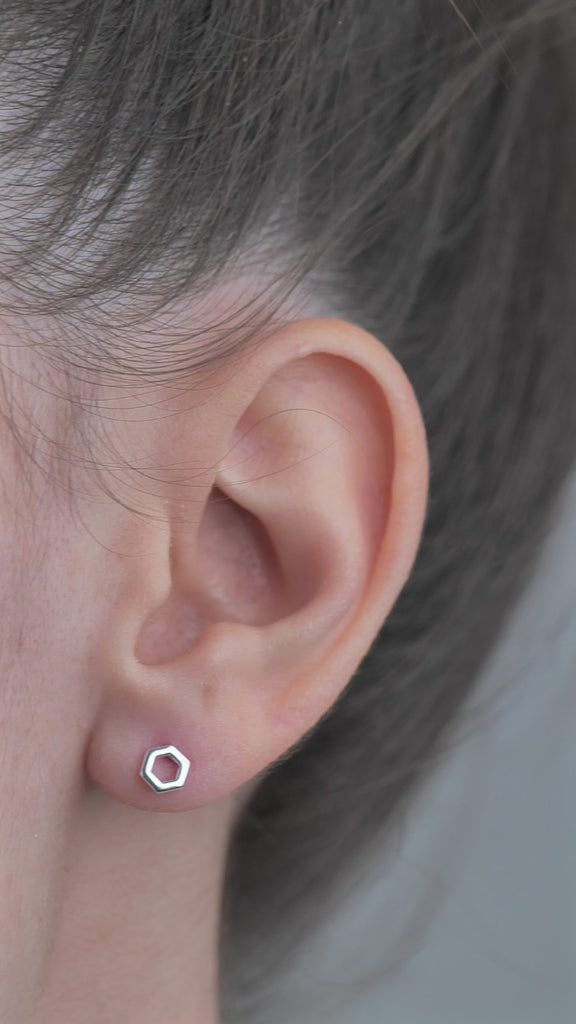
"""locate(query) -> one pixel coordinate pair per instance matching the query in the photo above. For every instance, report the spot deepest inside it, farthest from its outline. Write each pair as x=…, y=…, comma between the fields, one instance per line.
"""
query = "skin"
x=222, y=605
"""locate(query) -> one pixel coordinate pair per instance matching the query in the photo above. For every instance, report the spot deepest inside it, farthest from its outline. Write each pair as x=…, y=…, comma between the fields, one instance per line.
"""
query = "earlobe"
x=311, y=521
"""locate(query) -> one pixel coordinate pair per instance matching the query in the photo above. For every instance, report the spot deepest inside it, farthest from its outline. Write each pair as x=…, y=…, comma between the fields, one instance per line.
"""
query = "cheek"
x=41, y=739
x=41, y=595
x=17, y=579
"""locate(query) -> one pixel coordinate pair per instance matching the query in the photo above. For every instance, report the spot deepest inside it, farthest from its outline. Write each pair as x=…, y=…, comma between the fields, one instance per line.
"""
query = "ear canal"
x=237, y=565
x=236, y=578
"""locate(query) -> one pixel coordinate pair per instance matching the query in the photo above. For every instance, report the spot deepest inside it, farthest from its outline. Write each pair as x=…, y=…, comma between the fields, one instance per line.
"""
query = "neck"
x=121, y=921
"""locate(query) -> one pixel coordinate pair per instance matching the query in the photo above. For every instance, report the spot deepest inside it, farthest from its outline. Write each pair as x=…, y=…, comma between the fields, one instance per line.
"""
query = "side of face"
x=220, y=582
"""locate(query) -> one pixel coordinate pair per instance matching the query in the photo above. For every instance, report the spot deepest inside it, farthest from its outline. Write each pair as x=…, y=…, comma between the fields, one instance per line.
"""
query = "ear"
x=242, y=623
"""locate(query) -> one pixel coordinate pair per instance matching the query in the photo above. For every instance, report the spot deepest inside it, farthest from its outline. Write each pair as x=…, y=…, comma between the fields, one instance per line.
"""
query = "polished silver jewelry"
x=148, y=774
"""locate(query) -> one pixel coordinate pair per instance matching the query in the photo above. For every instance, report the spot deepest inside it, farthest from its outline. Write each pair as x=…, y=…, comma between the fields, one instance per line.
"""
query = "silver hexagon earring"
x=148, y=774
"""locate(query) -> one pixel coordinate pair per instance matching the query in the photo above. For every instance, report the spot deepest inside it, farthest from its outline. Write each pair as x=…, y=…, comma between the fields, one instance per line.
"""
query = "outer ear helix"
x=149, y=775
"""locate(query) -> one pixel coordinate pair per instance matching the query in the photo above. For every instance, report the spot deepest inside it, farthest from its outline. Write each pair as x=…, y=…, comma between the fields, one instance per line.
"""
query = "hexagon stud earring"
x=148, y=774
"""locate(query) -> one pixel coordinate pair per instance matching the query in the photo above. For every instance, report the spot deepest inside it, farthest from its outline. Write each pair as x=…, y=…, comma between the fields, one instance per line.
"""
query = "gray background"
x=472, y=917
